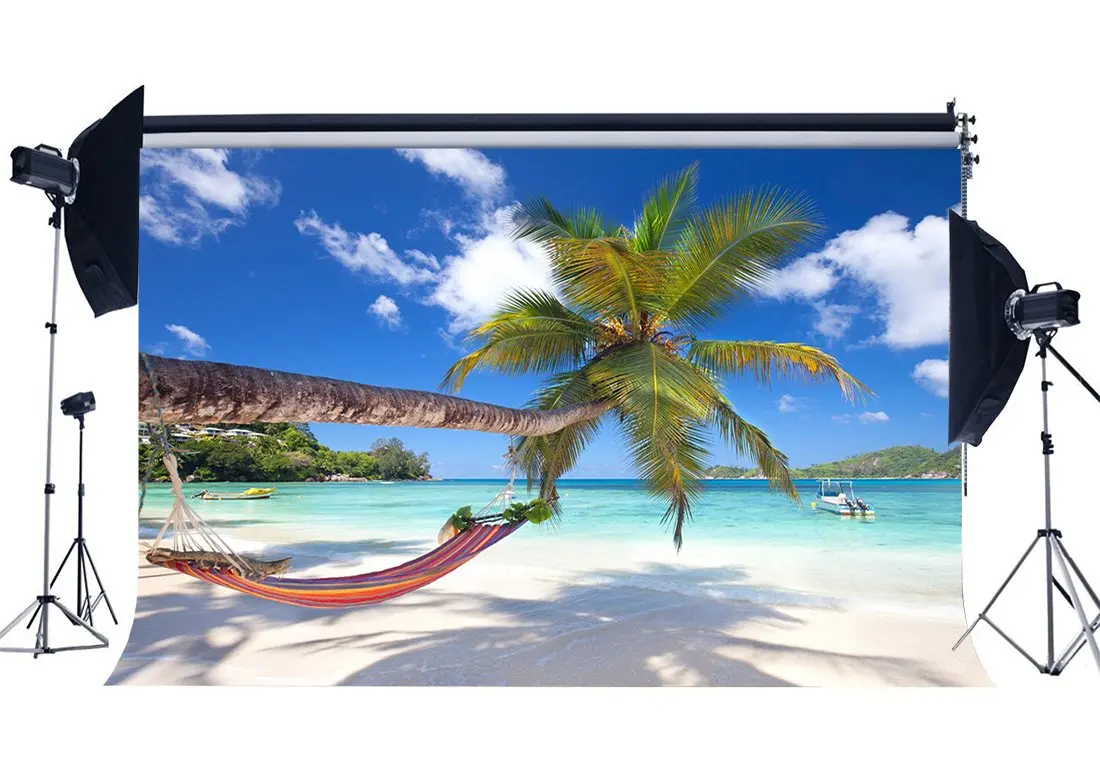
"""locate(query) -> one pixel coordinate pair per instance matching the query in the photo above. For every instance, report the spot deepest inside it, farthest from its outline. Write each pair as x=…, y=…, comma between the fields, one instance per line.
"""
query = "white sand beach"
x=548, y=613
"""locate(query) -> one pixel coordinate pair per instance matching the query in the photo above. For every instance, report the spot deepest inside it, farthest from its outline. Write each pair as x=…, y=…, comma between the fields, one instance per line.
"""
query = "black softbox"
x=101, y=225
x=985, y=356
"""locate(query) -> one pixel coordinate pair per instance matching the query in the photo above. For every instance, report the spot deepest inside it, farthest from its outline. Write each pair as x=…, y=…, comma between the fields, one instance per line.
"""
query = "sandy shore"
x=522, y=614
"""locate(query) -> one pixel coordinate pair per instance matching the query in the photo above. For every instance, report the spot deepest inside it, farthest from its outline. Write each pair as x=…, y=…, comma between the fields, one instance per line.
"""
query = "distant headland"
x=916, y=462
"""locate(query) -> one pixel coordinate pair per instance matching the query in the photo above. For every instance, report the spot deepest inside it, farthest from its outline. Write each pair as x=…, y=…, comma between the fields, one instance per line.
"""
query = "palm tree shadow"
x=187, y=614
x=662, y=625
x=659, y=625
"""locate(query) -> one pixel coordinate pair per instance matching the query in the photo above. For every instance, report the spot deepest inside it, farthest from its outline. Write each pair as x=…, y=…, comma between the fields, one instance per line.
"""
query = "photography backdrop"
x=1003, y=88
x=371, y=264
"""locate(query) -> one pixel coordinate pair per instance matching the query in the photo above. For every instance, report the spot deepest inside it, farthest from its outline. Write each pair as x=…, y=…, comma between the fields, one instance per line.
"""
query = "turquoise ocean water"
x=911, y=515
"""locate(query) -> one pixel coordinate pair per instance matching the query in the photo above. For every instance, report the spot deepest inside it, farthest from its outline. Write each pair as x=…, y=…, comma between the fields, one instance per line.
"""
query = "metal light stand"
x=1054, y=550
x=46, y=600
x=85, y=604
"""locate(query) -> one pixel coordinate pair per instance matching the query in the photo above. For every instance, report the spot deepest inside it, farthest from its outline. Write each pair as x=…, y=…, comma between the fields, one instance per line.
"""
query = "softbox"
x=985, y=356
x=101, y=225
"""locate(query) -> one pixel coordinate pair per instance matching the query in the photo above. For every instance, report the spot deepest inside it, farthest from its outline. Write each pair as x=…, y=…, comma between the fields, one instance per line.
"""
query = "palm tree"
x=176, y=390
x=621, y=334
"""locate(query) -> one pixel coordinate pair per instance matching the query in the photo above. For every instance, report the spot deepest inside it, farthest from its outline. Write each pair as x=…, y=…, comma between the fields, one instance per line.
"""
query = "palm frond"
x=533, y=332
x=749, y=440
x=608, y=277
x=663, y=404
x=540, y=221
x=765, y=360
x=544, y=459
x=645, y=377
x=730, y=250
x=593, y=264
x=672, y=460
x=667, y=209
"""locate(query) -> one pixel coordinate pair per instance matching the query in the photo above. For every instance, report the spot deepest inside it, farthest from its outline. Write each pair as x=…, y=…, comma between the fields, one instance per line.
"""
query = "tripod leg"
x=1079, y=641
x=62, y=565
x=54, y=580
x=1086, y=626
x=80, y=575
x=1077, y=571
x=99, y=583
x=83, y=588
x=42, y=636
x=996, y=596
x=33, y=607
x=80, y=622
x=1078, y=644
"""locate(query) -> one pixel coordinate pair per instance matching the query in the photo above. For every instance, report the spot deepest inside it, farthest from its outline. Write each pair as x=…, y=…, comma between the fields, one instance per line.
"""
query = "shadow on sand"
x=659, y=625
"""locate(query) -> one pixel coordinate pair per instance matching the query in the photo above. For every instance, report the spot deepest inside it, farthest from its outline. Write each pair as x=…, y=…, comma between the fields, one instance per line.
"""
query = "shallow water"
x=912, y=516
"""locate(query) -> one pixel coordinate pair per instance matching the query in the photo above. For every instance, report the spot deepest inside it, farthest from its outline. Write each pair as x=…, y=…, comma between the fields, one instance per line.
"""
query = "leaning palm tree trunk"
x=207, y=392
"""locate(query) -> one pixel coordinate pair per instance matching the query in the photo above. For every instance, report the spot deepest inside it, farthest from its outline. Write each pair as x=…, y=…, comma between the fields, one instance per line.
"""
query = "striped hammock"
x=355, y=590
x=194, y=544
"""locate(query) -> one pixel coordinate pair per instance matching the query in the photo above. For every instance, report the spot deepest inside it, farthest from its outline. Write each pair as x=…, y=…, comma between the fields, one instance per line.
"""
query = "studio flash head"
x=1028, y=312
x=78, y=404
x=45, y=168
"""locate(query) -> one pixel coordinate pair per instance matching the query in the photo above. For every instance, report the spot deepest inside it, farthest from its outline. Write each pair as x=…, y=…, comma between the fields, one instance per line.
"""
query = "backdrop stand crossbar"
x=1054, y=550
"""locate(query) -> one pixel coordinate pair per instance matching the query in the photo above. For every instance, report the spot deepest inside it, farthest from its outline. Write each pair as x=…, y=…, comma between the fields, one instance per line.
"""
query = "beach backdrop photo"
x=547, y=417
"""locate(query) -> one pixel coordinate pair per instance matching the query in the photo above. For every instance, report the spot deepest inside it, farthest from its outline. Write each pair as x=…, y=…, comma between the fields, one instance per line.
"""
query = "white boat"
x=839, y=497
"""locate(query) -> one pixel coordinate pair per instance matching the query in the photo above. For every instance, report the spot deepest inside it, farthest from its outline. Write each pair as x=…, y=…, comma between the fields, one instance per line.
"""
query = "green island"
x=275, y=452
x=894, y=462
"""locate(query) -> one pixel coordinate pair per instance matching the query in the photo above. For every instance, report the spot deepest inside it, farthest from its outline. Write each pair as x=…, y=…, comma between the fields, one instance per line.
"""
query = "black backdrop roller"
x=101, y=225
x=985, y=356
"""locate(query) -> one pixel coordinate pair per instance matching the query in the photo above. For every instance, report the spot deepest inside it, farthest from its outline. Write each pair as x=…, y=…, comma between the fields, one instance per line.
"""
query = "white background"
x=1026, y=74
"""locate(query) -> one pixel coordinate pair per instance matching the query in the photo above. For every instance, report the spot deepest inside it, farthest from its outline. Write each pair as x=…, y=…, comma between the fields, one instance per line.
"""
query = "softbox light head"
x=985, y=356
x=101, y=225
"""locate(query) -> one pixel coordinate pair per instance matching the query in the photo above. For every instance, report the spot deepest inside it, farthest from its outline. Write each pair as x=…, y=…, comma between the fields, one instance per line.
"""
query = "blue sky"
x=368, y=265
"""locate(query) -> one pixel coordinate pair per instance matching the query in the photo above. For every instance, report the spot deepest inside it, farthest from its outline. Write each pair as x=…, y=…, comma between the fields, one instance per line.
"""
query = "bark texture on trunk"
x=204, y=392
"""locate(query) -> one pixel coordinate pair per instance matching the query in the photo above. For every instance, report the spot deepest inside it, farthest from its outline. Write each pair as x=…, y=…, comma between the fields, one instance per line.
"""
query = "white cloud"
x=189, y=194
x=451, y=341
x=788, y=403
x=438, y=219
x=865, y=418
x=932, y=375
x=469, y=285
x=808, y=277
x=490, y=264
x=193, y=343
x=470, y=169
x=905, y=267
x=426, y=259
x=387, y=311
x=368, y=253
x=833, y=320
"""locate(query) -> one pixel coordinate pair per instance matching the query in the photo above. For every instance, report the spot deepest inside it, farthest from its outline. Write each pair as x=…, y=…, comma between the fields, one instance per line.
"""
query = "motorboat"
x=246, y=495
x=839, y=497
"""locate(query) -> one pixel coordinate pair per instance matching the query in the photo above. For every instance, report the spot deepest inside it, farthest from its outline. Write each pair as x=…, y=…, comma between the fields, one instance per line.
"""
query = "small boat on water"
x=248, y=494
x=839, y=497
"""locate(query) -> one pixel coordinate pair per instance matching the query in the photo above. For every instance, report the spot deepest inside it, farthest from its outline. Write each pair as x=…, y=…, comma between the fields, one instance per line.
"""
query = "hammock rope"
x=198, y=551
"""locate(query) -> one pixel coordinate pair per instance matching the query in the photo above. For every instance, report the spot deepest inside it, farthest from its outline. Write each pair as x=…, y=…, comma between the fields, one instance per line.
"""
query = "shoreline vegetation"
x=276, y=453
x=894, y=463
